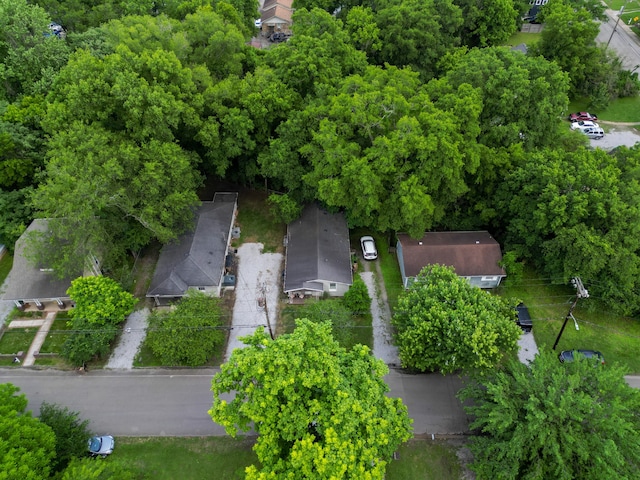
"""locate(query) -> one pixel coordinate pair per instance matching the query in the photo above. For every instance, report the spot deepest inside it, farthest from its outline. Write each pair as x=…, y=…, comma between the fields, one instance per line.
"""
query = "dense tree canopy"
x=190, y=333
x=27, y=446
x=446, y=324
x=320, y=411
x=577, y=214
x=555, y=420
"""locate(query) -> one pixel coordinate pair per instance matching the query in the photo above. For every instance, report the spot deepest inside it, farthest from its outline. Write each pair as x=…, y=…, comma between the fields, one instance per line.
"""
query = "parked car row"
x=584, y=122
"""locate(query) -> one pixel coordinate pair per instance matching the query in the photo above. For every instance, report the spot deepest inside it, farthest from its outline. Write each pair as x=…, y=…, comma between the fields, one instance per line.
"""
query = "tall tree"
x=417, y=33
x=116, y=175
x=446, y=324
x=27, y=446
x=188, y=335
x=568, y=39
x=577, y=214
x=71, y=433
x=488, y=22
x=30, y=55
x=320, y=411
x=512, y=86
x=555, y=420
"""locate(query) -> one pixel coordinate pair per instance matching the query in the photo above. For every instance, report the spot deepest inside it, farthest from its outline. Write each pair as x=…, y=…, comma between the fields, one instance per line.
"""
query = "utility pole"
x=616, y=25
x=581, y=292
x=262, y=302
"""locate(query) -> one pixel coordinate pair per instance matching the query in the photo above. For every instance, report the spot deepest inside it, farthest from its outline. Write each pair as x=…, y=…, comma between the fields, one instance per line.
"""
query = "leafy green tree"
x=15, y=215
x=444, y=323
x=568, y=39
x=417, y=33
x=71, y=433
x=98, y=469
x=320, y=411
x=87, y=342
x=357, y=298
x=488, y=22
x=27, y=446
x=100, y=301
x=554, y=420
x=30, y=55
x=512, y=86
x=364, y=32
x=188, y=335
x=318, y=56
x=335, y=312
x=575, y=213
x=284, y=208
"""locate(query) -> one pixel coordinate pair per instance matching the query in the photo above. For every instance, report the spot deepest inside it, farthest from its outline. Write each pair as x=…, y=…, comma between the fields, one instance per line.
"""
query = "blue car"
x=101, y=446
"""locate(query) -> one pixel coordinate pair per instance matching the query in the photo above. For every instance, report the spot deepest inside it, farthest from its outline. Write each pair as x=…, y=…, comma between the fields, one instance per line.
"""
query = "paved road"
x=624, y=41
x=166, y=403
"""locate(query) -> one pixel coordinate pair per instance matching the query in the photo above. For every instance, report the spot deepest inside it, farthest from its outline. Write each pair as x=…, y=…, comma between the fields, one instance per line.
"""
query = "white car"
x=584, y=124
x=258, y=23
x=368, y=246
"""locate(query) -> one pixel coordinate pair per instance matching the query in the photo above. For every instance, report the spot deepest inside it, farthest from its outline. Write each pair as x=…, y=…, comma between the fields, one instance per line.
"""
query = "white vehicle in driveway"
x=594, y=133
x=583, y=125
x=368, y=245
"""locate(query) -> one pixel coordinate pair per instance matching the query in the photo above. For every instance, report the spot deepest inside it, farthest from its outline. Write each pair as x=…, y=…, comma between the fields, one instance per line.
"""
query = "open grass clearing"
x=16, y=340
x=629, y=5
x=226, y=458
x=523, y=37
x=256, y=222
x=624, y=110
x=617, y=337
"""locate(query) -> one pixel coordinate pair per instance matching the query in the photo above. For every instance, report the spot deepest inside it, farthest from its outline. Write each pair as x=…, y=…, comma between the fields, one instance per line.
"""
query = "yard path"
x=39, y=339
x=383, y=347
x=133, y=333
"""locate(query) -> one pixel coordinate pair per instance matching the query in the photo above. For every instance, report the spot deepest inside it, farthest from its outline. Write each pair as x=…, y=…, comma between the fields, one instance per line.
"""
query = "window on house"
x=333, y=287
x=489, y=279
x=201, y=289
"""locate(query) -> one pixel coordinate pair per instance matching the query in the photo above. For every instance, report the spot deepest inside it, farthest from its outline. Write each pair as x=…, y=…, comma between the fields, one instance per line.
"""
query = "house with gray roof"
x=475, y=256
x=197, y=258
x=35, y=285
x=318, y=255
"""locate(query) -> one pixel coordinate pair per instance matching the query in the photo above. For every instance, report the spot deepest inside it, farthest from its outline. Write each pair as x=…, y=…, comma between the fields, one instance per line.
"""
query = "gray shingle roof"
x=317, y=250
x=196, y=258
x=29, y=282
x=470, y=253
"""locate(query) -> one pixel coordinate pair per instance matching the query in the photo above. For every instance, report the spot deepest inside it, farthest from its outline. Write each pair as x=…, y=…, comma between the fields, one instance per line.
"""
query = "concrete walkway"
x=26, y=323
x=41, y=336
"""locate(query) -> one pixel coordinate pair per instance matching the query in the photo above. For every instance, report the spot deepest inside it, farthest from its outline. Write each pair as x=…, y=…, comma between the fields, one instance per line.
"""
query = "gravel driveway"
x=258, y=278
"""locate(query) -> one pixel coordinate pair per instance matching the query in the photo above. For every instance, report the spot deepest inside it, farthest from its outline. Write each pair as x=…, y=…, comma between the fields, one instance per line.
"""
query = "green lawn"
x=16, y=340
x=628, y=5
x=226, y=458
x=256, y=222
x=58, y=334
x=618, y=338
x=523, y=37
x=6, y=262
x=625, y=110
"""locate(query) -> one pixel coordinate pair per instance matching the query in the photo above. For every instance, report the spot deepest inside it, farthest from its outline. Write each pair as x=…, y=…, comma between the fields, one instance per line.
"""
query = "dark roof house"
x=197, y=258
x=35, y=284
x=474, y=255
x=318, y=256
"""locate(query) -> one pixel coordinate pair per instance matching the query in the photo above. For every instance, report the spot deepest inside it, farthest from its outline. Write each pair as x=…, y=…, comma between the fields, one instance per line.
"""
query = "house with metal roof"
x=318, y=255
x=475, y=256
x=197, y=259
x=31, y=285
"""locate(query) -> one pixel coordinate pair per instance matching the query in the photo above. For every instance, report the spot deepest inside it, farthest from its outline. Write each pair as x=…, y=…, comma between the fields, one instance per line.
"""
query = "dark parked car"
x=570, y=355
x=582, y=116
x=101, y=446
x=278, y=37
x=524, y=319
